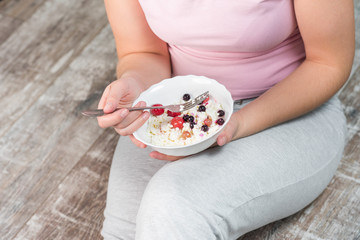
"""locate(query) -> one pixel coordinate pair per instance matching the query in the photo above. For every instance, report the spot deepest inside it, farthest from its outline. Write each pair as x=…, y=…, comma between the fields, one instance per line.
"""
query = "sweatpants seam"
x=221, y=221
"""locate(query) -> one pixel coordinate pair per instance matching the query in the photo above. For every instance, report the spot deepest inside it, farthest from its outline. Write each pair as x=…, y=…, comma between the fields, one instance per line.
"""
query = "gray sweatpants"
x=224, y=192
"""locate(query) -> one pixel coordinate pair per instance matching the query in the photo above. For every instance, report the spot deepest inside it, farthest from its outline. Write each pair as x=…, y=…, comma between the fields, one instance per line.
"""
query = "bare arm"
x=327, y=28
x=141, y=53
x=143, y=61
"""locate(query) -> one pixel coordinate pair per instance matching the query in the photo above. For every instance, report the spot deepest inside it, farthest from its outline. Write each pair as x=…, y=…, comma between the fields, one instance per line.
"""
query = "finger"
x=116, y=92
x=227, y=134
x=120, y=118
x=222, y=139
x=137, y=142
x=103, y=98
x=112, y=119
x=131, y=117
x=135, y=125
x=165, y=157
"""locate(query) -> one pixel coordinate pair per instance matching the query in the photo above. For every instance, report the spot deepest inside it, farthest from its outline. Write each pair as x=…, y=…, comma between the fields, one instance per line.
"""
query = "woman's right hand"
x=122, y=93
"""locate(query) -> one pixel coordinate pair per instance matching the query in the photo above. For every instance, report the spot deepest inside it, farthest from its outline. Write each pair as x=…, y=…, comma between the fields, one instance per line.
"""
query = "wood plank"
x=75, y=209
x=43, y=139
x=40, y=49
x=21, y=9
x=7, y=26
x=45, y=143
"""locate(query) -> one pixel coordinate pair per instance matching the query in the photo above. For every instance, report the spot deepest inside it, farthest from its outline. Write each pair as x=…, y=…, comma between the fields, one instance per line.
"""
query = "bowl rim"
x=226, y=92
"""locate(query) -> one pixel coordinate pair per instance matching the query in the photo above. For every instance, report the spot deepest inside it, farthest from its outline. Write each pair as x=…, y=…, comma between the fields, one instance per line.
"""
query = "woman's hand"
x=161, y=156
x=122, y=93
x=230, y=131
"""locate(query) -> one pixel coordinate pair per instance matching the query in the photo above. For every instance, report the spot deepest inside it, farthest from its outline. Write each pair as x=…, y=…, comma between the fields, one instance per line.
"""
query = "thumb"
x=227, y=134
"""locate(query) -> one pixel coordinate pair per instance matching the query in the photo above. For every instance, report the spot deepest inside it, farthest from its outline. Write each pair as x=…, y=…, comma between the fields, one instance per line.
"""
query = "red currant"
x=157, y=111
x=177, y=122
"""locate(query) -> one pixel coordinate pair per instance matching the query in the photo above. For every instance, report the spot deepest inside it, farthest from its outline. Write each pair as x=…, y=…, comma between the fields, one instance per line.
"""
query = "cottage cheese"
x=162, y=133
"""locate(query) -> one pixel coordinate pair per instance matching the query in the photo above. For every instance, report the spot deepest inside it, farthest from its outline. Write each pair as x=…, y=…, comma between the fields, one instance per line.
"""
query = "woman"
x=283, y=143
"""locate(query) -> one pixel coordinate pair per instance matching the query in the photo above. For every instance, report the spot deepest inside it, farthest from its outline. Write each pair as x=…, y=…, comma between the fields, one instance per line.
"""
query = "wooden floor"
x=56, y=57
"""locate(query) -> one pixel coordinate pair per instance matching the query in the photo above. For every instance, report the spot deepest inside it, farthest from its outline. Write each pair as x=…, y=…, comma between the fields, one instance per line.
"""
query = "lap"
x=250, y=178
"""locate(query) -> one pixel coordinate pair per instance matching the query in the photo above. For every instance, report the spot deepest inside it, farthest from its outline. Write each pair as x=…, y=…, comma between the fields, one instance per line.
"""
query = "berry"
x=205, y=101
x=191, y=119
x=186, y=118
x=220, y=121
x=192, y=124
x=186, y=97
x=220, y=113
x=185, y=135
x=204, y=128
x=208, y=122
x=157, y=111
x=173, y=114
x=177, y=122
x=202, y=108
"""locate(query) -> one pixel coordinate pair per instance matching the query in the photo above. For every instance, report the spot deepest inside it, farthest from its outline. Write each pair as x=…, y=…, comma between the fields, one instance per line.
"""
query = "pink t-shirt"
x=247, y=45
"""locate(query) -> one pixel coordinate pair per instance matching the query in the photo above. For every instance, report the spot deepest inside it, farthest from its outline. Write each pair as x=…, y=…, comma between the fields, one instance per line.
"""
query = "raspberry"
x=177, y=122
x=157, y=111
x=173, y=114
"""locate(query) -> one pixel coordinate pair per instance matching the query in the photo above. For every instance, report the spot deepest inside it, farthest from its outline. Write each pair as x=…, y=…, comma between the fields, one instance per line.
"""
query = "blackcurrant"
x=220, y=121
x=220, y=113
x=204, y=128
x=186, y=118
x=186, y=97
x=202, y=108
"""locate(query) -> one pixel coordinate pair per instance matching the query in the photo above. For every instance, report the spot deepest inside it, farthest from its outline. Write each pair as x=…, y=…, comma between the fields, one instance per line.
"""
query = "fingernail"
x=145, y=115
x=222, y=140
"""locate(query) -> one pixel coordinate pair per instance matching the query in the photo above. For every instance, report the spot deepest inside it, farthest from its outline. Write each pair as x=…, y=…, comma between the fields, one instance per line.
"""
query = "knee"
x=169, y=211
x=115, y=228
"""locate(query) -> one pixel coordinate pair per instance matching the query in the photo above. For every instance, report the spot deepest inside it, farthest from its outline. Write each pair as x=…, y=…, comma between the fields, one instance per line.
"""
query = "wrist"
x=240, y=130
x=134, y=80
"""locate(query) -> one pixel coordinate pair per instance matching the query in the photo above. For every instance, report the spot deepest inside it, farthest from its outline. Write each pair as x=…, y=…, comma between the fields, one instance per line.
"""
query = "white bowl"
x=170, y=91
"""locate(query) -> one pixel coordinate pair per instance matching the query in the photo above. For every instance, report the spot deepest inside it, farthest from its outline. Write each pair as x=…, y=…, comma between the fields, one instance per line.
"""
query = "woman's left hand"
x=230, y=131
x=161, y=156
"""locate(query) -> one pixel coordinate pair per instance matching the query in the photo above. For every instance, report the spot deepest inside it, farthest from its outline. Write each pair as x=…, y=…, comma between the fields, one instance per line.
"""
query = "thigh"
x=130, y=172
x=227, y=191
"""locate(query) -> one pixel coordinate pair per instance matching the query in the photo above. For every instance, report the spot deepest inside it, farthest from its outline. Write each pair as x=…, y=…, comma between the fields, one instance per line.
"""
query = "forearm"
x=307, y=88
x=146, y=68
